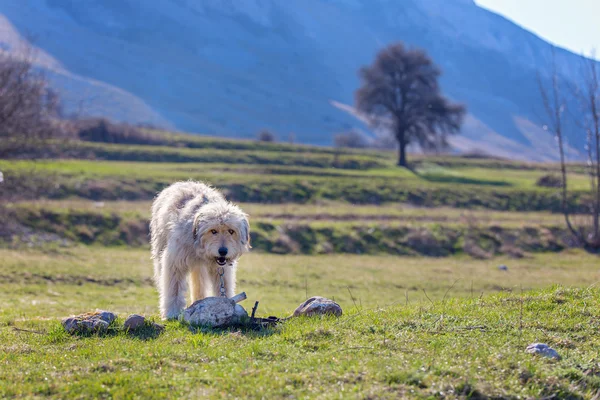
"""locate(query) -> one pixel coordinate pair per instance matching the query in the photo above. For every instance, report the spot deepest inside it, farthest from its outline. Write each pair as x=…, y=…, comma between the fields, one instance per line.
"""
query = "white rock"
x=211, y=311
x=543, y=350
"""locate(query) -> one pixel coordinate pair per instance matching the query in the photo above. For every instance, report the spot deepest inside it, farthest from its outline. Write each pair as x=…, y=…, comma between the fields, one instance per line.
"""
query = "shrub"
x=551, y=181
x=266, y=136
x=105, y=131
x=352, y=139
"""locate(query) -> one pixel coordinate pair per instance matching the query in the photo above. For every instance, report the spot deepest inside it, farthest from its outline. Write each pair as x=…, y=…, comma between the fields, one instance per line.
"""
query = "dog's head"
x=221, y=232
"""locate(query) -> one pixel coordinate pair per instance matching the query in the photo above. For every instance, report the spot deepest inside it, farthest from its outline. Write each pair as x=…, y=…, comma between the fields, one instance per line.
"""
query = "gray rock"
x=502, y=267
x=318, y=306
x=543, y=350
x=106, y=316
x=134, y=322
x=96, y=322
x=239, y=314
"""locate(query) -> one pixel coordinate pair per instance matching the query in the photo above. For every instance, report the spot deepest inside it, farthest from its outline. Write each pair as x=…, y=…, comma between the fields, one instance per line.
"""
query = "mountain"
x=233, y=67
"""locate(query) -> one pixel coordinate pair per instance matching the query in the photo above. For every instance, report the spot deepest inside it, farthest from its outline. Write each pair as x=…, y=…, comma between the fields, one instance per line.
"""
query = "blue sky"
x=573, y=24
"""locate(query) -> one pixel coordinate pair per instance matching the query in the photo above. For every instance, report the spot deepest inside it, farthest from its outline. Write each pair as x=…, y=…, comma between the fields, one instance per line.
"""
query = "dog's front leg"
x=229, y=278
x=173, y=285
x=196, y=284
x=200, y=283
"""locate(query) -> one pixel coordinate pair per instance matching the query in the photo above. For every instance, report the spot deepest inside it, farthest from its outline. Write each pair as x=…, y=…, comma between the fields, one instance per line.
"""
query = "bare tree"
x=400, y=92
x=590, y=102
x=555, y=103
x=28, y=108
x=28, y=113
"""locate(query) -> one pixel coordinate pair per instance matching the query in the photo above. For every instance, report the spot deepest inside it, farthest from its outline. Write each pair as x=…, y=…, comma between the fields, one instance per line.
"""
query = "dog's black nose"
x=223, y=251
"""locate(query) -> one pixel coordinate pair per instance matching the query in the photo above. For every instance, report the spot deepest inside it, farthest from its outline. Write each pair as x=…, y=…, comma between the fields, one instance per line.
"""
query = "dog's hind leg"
x=173, y=285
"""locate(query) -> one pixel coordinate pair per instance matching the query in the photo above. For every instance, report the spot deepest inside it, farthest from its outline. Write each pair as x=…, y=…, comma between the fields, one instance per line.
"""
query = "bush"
x=551, y=181
x=105, y=131
x=266, y=136
x=352, y=139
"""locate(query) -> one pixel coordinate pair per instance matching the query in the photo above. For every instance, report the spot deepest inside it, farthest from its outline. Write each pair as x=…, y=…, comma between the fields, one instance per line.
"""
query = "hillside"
x=232, y=68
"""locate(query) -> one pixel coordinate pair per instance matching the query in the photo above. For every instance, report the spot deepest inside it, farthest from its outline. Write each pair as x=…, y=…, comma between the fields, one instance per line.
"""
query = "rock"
x=158, y=327
x=239, y=314
x=134, y=322
x=318, y=306
x=543, y=350
x=211, y=311
x=502, y=267
x=96, y=322
x=106, y=316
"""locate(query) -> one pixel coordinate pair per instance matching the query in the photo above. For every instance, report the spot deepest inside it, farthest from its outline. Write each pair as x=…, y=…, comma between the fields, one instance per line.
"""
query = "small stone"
x=543, y=350
x=318, y=306
x=158, y=327
x=502, y=267
x=106, y=316
x=95, y=322
x=97, y=325
x=134, y=322
x=70, y=324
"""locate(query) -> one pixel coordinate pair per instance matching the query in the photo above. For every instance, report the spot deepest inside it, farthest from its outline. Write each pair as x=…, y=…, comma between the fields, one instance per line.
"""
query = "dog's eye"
x=214, y=232
x=231, y=231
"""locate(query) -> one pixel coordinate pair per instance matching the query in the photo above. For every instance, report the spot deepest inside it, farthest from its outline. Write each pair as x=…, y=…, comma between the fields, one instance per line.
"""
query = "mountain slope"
x=80, y=94
x=231, y=68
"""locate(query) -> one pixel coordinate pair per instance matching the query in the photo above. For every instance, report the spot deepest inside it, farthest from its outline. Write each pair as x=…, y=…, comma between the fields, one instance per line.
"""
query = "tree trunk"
x=401, y=150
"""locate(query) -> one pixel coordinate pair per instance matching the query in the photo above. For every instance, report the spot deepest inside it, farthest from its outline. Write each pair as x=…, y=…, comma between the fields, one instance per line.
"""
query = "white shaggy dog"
x=194, y=231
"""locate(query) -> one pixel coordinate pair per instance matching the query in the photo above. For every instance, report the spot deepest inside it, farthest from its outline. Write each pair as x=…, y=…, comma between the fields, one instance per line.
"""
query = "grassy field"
x=60, y=281
x=412, y=256
x=412, y=328
x=328, y=211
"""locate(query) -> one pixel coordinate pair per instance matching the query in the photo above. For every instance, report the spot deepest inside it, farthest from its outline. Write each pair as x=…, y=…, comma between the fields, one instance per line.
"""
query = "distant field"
x=429, y=174
x=329, y=213
x=303, y=201
x=457, y=187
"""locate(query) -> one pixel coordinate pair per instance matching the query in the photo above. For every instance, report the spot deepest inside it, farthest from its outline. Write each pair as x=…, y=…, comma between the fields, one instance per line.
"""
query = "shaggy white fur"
x=194, y=231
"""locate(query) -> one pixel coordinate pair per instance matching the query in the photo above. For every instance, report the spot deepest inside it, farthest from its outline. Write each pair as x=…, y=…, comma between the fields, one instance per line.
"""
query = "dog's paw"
x=172, y=315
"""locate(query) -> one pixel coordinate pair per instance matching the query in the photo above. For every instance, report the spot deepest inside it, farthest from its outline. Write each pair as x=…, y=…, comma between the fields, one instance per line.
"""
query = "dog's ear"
x=245, y=232
x=197, y=229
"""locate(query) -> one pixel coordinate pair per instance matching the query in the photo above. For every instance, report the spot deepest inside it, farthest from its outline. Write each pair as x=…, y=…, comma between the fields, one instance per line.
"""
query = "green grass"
x=112, y=180
x=332, y=212
x=316, y=229
x=392, y=341
x=269, y=155
x=413, y=327
x=61, y=281
x=229, y=171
